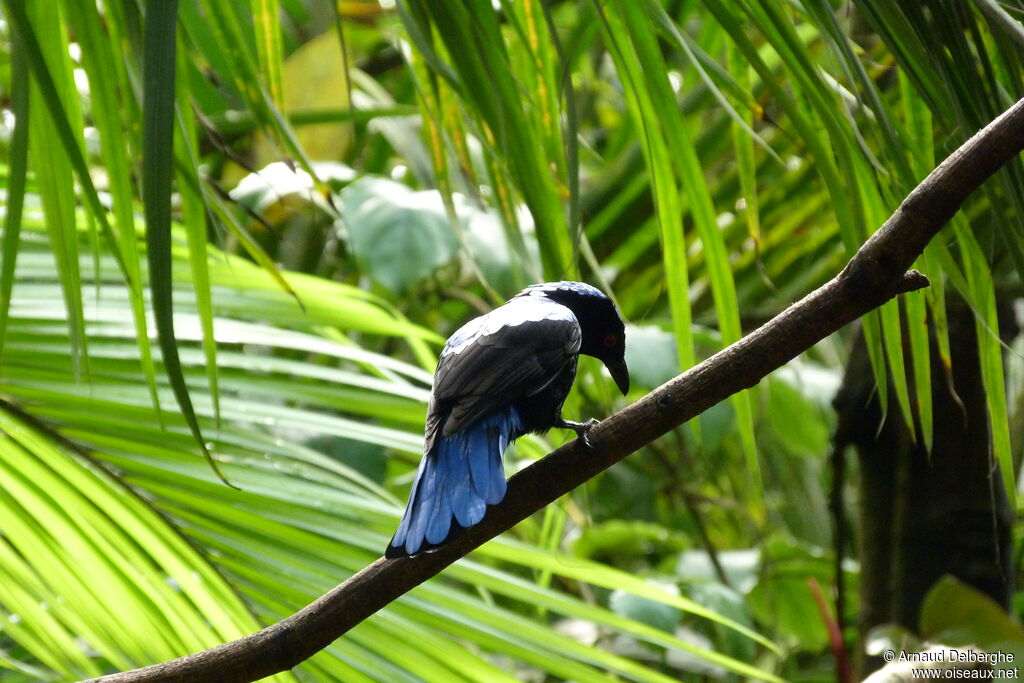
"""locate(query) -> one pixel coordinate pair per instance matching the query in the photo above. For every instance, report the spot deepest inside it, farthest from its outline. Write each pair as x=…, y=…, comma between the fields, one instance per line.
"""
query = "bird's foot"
x=581, y=428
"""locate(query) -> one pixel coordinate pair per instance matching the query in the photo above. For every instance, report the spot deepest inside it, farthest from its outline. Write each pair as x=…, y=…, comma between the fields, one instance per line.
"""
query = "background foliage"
x=304, y=199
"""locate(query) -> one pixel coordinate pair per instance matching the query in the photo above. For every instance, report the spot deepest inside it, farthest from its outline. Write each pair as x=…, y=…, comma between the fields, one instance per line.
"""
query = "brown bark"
x=924, y=515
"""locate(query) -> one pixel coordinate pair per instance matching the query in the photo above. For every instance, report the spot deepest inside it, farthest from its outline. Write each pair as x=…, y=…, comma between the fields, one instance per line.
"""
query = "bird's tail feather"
x=455, y=482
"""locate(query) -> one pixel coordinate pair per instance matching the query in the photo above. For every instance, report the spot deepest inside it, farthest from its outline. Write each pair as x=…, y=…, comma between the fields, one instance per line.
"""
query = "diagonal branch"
x=877, y=273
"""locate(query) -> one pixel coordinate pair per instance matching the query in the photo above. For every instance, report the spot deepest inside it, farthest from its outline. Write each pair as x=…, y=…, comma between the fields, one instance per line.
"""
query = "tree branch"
x=877, y=273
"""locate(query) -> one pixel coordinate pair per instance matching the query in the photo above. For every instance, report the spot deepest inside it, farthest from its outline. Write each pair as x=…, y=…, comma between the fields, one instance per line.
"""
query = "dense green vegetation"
x=347, y=185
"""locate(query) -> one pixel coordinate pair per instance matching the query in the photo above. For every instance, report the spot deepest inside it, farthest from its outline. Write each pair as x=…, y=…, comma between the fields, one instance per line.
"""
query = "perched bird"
x=500, y=376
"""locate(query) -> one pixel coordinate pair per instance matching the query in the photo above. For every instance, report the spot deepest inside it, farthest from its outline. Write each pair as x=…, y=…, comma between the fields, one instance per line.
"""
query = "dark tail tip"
x=393, y=552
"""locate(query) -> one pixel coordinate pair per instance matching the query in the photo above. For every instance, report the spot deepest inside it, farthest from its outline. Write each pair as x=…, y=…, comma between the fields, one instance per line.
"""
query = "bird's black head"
x=604, y=335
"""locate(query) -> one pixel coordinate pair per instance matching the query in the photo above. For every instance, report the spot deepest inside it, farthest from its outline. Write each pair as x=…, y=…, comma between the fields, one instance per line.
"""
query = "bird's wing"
x=512, y=352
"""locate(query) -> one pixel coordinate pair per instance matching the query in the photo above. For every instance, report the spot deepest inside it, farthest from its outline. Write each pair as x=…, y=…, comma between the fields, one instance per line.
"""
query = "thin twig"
x=674, y=487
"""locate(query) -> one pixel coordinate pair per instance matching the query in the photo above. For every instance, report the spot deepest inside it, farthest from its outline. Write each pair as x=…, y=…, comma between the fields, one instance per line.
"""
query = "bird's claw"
x=581, y=429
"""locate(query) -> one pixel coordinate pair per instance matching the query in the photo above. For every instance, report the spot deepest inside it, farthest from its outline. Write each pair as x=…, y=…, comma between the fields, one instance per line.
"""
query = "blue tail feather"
x=439, y=521
x=477, y=449
x=494, y=488
x=455, y=482
x=414, y=523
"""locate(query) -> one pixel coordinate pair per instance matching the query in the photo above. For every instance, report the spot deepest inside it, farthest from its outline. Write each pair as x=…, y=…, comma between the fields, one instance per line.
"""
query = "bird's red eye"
x=610, y=341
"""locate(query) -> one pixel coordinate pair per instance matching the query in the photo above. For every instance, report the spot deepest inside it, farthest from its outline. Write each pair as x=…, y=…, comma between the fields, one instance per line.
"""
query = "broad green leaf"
x=957, y=615
x=654, y=614
x=398, y=235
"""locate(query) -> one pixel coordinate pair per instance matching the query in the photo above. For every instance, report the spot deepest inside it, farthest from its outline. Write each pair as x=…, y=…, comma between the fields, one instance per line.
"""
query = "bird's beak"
x=620, y=373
